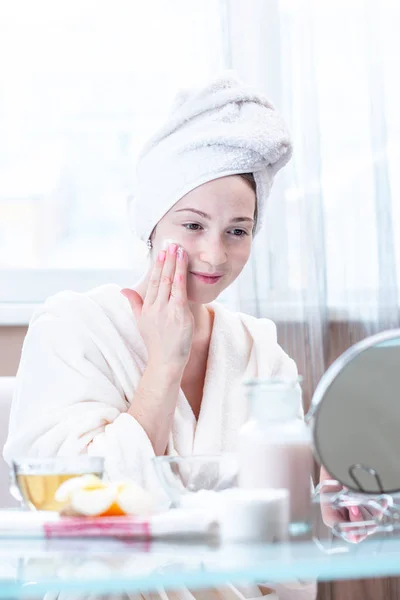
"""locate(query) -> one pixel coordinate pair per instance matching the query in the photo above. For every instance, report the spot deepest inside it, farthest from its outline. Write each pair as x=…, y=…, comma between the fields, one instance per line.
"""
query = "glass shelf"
x=35, y=566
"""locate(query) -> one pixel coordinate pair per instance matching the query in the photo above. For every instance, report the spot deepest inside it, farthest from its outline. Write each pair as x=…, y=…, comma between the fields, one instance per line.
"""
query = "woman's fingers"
x=365, y=520
x=354, y=522
x=167, y=275
x=155, y=279
x=356, y=513
x=179, y=289
x=332, y=515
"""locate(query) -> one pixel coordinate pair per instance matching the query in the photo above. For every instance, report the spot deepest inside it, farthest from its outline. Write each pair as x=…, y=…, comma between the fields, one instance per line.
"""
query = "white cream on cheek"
x=167, y=242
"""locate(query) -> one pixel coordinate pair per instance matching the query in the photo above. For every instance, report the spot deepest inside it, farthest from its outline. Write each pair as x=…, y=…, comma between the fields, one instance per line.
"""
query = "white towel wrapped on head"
x=225, y=128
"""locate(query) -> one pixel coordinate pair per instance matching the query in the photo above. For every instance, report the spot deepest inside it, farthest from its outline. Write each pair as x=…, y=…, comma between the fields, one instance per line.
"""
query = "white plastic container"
x=254, y=515
x=274, y=450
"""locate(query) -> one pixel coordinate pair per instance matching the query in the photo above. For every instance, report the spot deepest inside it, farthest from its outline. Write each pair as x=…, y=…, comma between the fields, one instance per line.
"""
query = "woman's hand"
x=353, y=513
x=164, y=318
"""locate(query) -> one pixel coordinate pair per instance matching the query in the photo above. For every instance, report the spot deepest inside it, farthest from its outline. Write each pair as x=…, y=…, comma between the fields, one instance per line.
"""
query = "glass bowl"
x=190, y=480
x=34, y=481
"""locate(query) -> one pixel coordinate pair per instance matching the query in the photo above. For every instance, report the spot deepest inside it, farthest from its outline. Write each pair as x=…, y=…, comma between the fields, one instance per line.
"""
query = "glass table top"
x=32, y=567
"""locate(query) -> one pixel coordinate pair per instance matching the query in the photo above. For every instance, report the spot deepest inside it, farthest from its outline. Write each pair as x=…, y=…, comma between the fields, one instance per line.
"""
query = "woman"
x=133, y=373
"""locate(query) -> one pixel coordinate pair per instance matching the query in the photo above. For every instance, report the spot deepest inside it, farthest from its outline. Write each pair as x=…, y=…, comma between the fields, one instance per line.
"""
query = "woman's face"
x=214, y=224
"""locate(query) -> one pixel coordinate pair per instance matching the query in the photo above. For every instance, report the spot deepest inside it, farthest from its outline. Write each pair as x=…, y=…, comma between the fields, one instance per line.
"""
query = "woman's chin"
x=203, y=296
x=200, y=292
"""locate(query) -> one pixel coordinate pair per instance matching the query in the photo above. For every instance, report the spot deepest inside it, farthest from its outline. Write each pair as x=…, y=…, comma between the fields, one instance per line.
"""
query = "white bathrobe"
x=82, y=360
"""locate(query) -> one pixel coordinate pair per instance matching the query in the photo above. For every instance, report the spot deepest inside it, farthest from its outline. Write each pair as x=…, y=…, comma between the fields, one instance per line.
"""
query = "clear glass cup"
x=34, y=481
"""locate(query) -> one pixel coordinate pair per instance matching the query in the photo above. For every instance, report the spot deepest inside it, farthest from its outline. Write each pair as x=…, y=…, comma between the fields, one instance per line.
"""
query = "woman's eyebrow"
x=198, y=212
x=206, y=216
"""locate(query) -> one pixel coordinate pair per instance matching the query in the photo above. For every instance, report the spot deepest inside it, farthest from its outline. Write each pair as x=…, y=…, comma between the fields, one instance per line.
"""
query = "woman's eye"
x=239, y=232
x=197, y=227
x=192, y=226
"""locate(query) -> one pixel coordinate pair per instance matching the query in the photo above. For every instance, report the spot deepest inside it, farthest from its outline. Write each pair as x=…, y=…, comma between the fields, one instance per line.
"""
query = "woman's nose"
x=213, y=252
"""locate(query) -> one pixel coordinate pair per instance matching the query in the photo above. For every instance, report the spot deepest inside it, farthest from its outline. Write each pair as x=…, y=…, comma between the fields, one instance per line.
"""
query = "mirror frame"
x=329, y=377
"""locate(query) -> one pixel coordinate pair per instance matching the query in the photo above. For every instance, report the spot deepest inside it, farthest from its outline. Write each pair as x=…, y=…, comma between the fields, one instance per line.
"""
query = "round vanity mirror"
x=355, y=416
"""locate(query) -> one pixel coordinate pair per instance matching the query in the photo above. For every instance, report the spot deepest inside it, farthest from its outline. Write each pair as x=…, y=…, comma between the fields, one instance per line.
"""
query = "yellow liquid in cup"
x=38, y=490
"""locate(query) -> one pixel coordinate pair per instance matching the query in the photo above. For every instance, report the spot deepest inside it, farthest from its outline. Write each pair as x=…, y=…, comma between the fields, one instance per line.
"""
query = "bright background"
x=83, y=83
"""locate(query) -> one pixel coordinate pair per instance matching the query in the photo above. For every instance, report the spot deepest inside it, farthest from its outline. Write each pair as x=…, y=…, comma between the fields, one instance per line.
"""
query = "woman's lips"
x=210, y=279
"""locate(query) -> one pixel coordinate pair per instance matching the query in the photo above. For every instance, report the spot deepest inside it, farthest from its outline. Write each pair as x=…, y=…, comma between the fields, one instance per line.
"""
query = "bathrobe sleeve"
x=75, y=382
x=269, y=358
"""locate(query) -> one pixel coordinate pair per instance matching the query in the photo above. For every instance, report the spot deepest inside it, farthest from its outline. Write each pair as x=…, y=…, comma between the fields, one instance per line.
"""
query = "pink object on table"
x=98, y=527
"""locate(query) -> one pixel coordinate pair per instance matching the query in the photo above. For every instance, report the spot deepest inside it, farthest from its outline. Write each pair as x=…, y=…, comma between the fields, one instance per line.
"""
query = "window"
x=341, y=97
x=82, y=84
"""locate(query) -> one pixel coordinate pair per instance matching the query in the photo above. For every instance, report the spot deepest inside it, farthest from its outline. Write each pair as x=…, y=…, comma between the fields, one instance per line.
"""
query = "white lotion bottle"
x=274, y=446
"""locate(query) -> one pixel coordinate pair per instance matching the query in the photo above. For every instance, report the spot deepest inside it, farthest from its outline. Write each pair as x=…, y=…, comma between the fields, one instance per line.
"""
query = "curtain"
x=326, y=266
